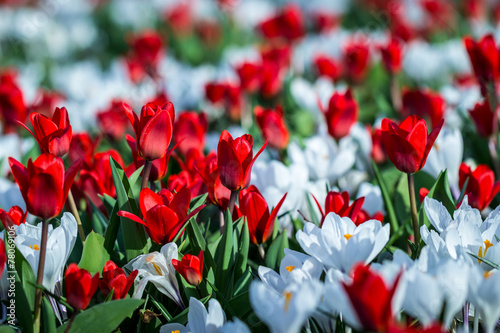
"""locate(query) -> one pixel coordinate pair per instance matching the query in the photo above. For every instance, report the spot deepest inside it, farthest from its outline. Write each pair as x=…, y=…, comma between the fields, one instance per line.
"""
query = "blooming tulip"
x=273, y=127
x=190, y=132
x=408, y=144
x=424, y=103
x=481, y=188
x=53, y=135
x=159, y=167
x=356, y=59
x=190, y=267
x=113, y=122
x=44, y=184
x=15, y=216
x=80, y=286
x=338, y=203
x=484, y=57
x=145, y=55
x=234, y=159
x=153, y=130
x=164, y=213
x=484, y=118
x=114, y=279
x=228, y=95
x=288, y=24
x=328, y=67
x=371, y=299
x=392, y=54
x=341, y=114
x=254, y=207
x=218, y=194
x=12, y=107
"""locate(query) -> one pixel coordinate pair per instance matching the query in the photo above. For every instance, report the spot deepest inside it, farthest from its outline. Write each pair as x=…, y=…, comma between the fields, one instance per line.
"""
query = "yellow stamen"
x=290, y=268
x=487, y=274
x=288, y=297
x=158, y=269
x=176, y=331
x=487, y=245
x=35, y=247
x=347, y=236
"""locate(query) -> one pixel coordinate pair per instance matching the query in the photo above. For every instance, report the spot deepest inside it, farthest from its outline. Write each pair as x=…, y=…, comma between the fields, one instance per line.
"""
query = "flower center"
x=288, y=297
x=35, y=247
x=481, y=254
x=290, y=268
x=176, y=331
x=347, y=236
x=157, y=268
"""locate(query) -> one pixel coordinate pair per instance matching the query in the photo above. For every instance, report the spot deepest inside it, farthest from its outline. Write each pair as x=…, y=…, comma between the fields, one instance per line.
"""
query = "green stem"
x=221, y=221
x=70, y=322
x=74, y=210
x=232, y=201
x=145, y=174
x=39, y=277
x=413, y=206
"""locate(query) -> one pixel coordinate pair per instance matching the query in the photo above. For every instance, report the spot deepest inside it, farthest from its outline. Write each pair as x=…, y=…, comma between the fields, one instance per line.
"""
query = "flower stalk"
x=413, y=207
x=39, y=277
x=145, y=173
x=74, y=210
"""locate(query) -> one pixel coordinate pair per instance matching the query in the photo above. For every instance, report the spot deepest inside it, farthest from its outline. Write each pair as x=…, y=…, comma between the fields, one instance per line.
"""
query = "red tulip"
x=159, y=166
x=44, y=184
x=83, y=147
x=272, y=77
x=190, y=267
x=378, y=150
x=15, y=216
x=273, y=127
x=113, y=122
x=363, y=216
x=218, y=194
x=424, y=103
x=484, y=118
x=371, y=299
x=114, y=279
x=481, y=188
x=45, y=102
x=484, y=57
x=53, y=135
x=145, y=55
x=12, y=107
x=338, y=203
x=392, y=55
x=189, y=175
x=165, y=213
x=277, y=53
x=227, y=95
x=288, y=24
x=3, y=257
x=408, y=144
x=250, y=75
x=328, y=67
x=190, y=132
x=153, y=129
x=80, y=286
x=254, y=207
x=341, y=114
x=356, y=60
x=234, y=158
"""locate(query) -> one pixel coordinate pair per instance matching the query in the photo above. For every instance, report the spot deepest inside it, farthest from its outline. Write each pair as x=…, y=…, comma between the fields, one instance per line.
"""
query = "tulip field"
x=239, y=166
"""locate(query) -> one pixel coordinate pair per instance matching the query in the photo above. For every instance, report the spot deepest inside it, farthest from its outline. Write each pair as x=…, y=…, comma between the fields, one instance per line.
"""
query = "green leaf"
x=133, y=233
x=161, y=307
x=27, y=277
x=440, y=192
x=276, y=251
x=239, y=304
x=48, y=323
x=103, y=318
x=391, y=214
x=198, y=242
x=402, y=198
x=6, y=329
x=22, y=306
x=94, y=255
x=243, y=284
x=486, y=261
x=112, y=230
x=135, y=183
x=242, y=253
x=225, y=255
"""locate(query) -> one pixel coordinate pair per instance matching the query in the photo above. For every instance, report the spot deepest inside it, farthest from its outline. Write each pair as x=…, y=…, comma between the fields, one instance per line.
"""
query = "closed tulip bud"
x=484, y=57
x=260, y=222
x=15, y=216
x=190, y=267
x=80, y=286
x=53, y=135
x=165, y=213
x=341, y=114
x=235, y=160
x=44, y=184
x=153, y=130
x=218, y=194
x=356, y=60
x=159, y=167
x=408, y=144
x=328, y=67
x=250, y=76
x=114, y=279
x=273, y=127
x=484, y=118
x=481, y=188
x=392, y=55
x=339, y=204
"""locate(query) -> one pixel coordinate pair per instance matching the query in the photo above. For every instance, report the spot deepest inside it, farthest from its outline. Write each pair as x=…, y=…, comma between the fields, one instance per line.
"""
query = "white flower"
x=446, y=153
x=295, y=267
x=60, y=243
x=157, y=268
x=339, y=243
x=285, y=312
x=484, y=294
x=202, y=321
x=373, y=198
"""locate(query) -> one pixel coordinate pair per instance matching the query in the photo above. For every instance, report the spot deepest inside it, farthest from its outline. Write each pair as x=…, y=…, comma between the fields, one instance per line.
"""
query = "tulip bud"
x=339, y=204
x=114, y=279
x=481, y=188
x=15, y=216
x=484, y=118
x=392, y=54
x=80, y=286
x=273, y=127
x=484, y=57
x=190, y=267
x=341, y=114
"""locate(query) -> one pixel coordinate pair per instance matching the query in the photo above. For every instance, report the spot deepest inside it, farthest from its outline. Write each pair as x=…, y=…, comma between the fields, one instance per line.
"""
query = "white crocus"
x=285, y=312
x=339, y=243
x=446, y=153
x=295, y=267
x=202, y=321
x=157, y=268
x=60, y=243
x=484, y=294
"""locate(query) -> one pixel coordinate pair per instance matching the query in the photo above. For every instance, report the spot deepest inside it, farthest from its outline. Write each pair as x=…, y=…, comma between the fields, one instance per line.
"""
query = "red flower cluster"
x=481, y=188
x=114, y=279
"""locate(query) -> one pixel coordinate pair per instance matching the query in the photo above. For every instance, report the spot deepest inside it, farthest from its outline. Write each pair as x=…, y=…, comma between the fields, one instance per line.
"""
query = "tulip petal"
x=430, y=141
x=148, y=199
x=131, y=216
x=248, y=169
x=180, y=202
x=44, y=197
x=20, y=174
x=156, y=136
x=230, y=169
